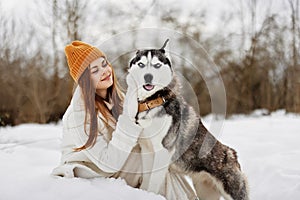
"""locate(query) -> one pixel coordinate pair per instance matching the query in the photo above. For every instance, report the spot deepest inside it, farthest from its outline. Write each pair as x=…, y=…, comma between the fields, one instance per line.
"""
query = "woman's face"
x=101, y=74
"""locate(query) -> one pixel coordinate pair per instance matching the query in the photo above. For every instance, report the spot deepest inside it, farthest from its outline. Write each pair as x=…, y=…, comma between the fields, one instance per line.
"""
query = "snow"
x=267, y=146
x=269, y=152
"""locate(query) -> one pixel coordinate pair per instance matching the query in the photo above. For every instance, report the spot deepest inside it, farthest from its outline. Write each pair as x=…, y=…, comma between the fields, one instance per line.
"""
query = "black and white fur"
x=174, y=135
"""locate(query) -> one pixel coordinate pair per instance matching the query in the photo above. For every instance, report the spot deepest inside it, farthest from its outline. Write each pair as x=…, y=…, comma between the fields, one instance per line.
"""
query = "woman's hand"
x=130, y=106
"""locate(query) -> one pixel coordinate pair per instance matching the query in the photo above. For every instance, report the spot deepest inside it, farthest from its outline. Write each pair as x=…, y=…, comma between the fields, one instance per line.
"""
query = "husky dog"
x=174, y=136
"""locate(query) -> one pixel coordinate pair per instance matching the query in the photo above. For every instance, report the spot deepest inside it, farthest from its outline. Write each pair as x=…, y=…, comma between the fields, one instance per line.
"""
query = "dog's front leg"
x=155, y=158
x=155, y=165
x=147, y=161
x=161, y=162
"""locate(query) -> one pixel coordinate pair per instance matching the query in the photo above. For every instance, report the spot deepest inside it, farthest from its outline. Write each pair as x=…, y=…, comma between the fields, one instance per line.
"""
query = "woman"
x=99, y=140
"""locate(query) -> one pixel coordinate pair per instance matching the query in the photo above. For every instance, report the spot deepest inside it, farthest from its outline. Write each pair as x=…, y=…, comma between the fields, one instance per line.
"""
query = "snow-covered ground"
x=268, y=149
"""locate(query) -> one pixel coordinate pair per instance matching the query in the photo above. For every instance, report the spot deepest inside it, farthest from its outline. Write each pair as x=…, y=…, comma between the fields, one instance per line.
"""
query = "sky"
x=214, y=8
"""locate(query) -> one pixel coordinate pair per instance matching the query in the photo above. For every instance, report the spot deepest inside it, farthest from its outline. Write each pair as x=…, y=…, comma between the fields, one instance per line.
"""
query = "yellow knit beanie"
x=79, y=56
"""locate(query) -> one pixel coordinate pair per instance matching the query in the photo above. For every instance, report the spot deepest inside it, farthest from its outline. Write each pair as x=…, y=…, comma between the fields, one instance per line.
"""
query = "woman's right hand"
x=130, y=106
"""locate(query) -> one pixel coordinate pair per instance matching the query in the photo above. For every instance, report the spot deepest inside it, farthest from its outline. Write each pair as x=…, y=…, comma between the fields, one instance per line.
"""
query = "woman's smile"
x=106, y=78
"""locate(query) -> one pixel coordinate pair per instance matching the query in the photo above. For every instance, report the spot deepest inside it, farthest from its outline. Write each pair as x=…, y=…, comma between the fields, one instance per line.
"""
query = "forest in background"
x=255, y=48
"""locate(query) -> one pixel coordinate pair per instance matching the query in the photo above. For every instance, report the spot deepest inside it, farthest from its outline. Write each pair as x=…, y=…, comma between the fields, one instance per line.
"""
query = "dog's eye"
x=157, y=65
x=141, y=65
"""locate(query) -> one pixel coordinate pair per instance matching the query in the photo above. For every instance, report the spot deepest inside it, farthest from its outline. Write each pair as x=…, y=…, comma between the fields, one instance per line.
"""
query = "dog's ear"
x=165, y=49
x=162, y=49
x=129, y=64
x=133, y=59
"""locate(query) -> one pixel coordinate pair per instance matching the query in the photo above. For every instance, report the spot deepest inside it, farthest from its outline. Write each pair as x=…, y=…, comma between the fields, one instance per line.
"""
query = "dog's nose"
x=148, y=78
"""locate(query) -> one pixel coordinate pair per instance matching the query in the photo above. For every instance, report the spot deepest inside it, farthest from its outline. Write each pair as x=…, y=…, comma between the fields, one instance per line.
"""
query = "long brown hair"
x=93, y=104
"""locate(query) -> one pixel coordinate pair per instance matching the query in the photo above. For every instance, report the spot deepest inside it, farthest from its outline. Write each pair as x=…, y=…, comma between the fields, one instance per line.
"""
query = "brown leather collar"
x=147, y=105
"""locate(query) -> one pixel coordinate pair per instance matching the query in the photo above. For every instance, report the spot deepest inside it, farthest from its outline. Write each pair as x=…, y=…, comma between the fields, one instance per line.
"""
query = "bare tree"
x=292, y=77
x=75, y=12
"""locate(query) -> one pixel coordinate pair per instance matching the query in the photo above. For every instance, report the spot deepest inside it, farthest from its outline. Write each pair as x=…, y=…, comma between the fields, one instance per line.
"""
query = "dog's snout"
x=148, y=78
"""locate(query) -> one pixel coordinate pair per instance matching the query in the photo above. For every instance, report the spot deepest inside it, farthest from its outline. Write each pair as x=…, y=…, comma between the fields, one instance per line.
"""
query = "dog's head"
x=152, y=70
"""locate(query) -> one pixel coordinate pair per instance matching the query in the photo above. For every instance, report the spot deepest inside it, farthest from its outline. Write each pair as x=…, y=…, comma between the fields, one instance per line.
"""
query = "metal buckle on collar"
x=147, y=105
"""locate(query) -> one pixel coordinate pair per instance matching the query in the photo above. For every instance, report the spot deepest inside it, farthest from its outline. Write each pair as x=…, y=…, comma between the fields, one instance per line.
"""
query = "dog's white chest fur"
x=156, y=158
x=155, y=127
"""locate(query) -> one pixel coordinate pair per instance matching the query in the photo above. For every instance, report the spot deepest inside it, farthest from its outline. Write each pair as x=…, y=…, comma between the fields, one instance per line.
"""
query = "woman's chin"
x=104, y=84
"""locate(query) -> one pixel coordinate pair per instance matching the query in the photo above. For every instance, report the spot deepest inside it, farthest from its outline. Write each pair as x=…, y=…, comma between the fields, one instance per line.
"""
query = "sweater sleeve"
x=107, y=156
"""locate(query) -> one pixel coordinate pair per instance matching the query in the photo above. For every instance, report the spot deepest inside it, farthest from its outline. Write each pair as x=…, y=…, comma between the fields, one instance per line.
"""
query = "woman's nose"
x=105, y=72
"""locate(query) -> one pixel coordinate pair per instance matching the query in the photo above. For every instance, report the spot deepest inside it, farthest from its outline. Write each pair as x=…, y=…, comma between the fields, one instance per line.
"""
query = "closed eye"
x=157, y=65
x=95, y=71
x=104, y=63
x=141, y=65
